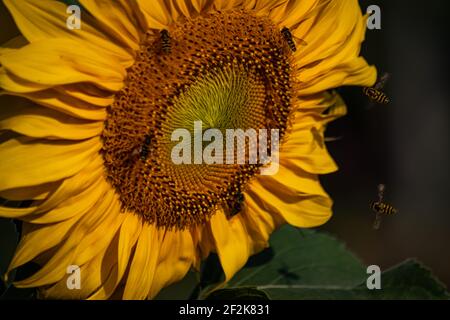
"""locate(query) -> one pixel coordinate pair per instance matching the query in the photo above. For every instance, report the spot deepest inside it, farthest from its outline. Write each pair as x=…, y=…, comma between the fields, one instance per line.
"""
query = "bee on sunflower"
x=86, y=123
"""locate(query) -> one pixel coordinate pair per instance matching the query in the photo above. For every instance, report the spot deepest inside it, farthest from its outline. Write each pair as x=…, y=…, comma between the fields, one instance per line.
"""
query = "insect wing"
x=381, y=83
x=301, y=42
x=381, y=188
x=377, y=222
x=331, y=139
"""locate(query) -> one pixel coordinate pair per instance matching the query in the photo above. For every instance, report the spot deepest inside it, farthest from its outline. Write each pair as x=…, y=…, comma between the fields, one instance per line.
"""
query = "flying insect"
x=375, y=94
x=381, y=208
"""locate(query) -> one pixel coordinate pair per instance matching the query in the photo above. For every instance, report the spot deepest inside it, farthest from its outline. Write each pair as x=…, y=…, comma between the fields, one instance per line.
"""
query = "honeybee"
x=290, y=40
x=381, y=208
x=237, y=204
x=375, y=94
x=145, y=147
x=165, y=41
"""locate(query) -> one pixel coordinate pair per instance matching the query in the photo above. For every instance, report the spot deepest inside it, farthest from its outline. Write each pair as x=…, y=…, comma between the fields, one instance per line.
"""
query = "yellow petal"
x=293, y=12
x=129, y=233
x=22, y=116
x=296, y=196
x=27, y=162
x=355, y=72
x=224, y=5
x=156, y=13
x=305, y=149
x=192, y=8
x=10, y=80
x=278, y=12
x=203, y=242
x=59, y=102
x=55, y=269
x=94, y=274
x=71, y=187
x=232, y=242
x=337, y=109
x=180, y=9
x=326, y=61
x=175, y=258
x=103, y=234
x=142, y=270
x=72, y=206
x=304, y=144
x=87, y=93
x=63, y=65
x=41, y=238
x=13, y=44
x=318, y=103
x=259, y=223
x=174, y=10
x=114, y=17
x=16, y=213
x=263, y=7
x=39, y=192
x=43, y=19
x=200, y=5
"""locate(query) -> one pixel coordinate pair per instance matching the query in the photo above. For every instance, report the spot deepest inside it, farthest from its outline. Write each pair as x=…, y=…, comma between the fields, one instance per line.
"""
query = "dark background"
x=403, y=145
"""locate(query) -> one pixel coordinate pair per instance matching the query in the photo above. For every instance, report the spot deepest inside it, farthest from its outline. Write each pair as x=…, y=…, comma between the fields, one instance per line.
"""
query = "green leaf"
x=409, y=280
x=182, y=290
x=302, y=260
x=238, y=294
x=305, y=264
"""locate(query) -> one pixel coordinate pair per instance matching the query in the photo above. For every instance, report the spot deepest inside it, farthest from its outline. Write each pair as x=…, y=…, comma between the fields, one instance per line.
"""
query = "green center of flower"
x=224, y=71
x=232, y=97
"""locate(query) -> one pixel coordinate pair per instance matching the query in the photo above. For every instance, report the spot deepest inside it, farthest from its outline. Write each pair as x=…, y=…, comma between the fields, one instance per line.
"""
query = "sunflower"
x=86, y=119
